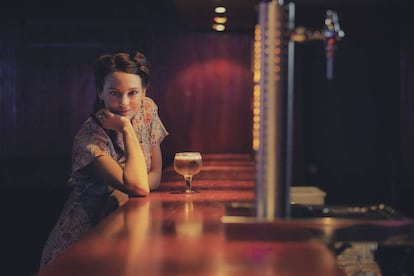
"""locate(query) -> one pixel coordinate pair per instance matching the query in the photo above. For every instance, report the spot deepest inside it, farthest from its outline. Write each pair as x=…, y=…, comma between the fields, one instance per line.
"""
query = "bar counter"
x=167, y=233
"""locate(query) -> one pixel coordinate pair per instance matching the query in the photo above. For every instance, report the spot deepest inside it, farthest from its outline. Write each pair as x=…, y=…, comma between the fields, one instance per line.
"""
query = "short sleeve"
x=157, y=130
x=90, y=142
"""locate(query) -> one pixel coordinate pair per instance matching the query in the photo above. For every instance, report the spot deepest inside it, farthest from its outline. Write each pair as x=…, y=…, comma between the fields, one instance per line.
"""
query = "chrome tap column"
x=273, y=157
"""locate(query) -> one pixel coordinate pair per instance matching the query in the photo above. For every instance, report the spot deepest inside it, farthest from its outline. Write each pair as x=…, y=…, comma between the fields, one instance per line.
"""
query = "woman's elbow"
x=136, y=185
x=138, y=191
x=154, y=180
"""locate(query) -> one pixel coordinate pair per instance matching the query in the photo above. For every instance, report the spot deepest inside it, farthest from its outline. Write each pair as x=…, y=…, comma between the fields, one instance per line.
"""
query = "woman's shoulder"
x=90, y=129
x=149, y=104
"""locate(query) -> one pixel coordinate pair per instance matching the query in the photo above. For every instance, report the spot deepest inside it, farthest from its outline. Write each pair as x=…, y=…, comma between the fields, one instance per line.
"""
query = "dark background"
x=353, y=135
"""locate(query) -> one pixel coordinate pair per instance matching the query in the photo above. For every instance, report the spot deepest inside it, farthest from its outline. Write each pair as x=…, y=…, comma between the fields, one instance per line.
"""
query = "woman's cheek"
x=135, y=106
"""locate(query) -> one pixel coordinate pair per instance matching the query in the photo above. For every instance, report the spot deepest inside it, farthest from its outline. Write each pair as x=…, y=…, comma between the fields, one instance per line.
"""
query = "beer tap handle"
x=331, y=33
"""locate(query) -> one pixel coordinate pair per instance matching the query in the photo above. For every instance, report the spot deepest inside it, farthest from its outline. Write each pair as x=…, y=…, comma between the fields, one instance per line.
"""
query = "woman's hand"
x=111, y=120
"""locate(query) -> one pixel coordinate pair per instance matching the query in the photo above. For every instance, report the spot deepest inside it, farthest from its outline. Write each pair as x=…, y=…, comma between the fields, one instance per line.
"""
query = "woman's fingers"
x=102, y=114
x=110, y=120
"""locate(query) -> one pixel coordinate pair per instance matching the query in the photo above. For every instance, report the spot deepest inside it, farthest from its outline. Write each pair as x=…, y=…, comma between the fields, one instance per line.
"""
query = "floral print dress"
x=83, y=208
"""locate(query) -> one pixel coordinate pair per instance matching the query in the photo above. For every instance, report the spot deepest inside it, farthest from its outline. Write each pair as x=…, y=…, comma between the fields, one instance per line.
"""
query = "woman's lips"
x=123, y=112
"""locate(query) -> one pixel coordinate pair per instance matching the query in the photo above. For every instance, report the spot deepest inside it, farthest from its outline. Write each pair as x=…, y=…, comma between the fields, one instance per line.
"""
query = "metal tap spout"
x=331, y=33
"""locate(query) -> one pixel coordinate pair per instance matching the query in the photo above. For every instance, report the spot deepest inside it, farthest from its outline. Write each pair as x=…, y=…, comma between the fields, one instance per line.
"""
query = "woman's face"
x=123, y=93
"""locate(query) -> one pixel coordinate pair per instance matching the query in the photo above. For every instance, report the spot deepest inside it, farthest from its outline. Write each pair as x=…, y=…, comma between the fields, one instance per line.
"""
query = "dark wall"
x=355, y=129
x=404, y=187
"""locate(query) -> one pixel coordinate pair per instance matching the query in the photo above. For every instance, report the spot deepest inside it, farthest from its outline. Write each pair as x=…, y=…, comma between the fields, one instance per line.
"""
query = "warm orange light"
x=219, y=27
x=220, y=9
x=220, y=19
x=256, y=87
x=256, y=117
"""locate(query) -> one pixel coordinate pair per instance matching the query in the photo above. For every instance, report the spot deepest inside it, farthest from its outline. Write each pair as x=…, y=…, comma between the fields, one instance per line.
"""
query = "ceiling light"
x=220, y=19
x=219, y=27
x=220, y=9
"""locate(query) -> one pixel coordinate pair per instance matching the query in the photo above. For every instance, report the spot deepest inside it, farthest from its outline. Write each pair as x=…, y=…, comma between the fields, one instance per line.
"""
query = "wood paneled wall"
x=201, y=82
x=203, y=85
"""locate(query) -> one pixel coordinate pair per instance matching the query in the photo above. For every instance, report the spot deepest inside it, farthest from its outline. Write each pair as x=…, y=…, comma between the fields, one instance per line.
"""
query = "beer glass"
x=187, y=164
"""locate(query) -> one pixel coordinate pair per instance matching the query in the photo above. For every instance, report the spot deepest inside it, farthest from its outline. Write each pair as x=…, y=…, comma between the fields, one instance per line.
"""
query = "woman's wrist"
x=127, y=126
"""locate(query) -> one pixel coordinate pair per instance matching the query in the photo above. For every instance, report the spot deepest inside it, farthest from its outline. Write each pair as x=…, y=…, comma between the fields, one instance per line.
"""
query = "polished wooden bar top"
x=182, y=234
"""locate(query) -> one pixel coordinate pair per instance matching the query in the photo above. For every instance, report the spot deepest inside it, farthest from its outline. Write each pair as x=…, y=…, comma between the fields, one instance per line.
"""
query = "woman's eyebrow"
x=128, y=89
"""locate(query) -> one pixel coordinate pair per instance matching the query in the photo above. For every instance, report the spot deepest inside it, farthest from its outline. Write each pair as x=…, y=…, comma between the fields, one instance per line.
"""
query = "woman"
x=116, y=149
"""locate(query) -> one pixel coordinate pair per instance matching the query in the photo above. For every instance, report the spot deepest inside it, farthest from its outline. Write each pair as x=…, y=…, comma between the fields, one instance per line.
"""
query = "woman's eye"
x=113, y=93
x=133, y=92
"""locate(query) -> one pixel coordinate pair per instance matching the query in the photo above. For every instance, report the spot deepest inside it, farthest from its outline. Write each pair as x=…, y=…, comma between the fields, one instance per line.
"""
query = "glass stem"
x=188, y=183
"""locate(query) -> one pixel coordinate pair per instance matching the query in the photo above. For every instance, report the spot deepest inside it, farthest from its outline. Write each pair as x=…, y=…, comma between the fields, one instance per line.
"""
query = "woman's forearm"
x=135, y=177
x=154, y=176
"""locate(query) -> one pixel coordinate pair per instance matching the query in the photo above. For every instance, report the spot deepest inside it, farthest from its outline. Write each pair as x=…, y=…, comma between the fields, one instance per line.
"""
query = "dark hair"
x=133, y=63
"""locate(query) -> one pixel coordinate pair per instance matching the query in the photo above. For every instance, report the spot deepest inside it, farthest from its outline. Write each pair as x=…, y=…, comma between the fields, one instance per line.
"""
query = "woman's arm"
x=133, y=177
x=154, y=176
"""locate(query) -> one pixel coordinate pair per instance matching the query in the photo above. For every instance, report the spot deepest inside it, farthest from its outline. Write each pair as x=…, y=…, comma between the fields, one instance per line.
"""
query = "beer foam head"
x=188, y=156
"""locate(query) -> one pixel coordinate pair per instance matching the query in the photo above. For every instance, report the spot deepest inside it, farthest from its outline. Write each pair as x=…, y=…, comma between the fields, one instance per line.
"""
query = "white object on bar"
x=307, y=195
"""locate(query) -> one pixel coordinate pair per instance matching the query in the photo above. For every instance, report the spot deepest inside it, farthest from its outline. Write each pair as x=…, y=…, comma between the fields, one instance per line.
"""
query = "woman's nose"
x=124, y=100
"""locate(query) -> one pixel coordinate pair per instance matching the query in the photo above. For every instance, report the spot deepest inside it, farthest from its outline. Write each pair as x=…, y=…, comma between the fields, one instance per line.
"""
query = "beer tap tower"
x=274, y=155
x=276, y=36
